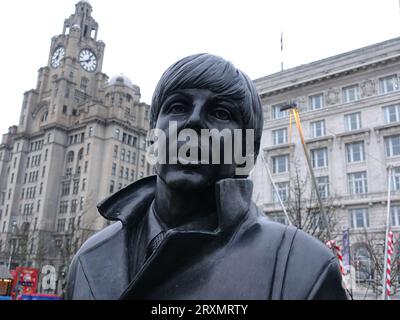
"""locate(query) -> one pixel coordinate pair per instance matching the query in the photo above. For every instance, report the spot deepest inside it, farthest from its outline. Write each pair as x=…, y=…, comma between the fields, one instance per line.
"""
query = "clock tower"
x=81, y=137
x=73, y=74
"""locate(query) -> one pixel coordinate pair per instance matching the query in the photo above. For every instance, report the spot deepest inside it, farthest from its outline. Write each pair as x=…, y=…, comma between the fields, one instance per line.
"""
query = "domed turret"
x=121, y=80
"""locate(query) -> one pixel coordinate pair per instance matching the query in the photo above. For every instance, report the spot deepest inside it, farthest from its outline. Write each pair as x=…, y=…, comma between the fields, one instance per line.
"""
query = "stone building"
x=350, y=114
x=81, y=137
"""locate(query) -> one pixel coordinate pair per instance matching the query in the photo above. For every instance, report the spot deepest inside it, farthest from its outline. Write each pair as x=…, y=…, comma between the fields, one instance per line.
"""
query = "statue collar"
x=131, y=203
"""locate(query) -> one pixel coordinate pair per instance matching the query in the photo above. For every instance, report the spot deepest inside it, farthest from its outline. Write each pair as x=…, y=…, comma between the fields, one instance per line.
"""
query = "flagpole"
x=386, y=234
x=281, y=50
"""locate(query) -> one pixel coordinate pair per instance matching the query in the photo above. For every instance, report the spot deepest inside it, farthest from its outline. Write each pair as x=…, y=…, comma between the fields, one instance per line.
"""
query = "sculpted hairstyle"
x=206, y=71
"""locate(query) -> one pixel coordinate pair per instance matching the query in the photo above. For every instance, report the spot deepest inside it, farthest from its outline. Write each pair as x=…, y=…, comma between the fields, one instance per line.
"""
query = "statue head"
x=205, y=92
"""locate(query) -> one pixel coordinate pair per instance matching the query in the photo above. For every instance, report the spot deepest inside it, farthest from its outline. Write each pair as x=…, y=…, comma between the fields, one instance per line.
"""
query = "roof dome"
x=121, y=80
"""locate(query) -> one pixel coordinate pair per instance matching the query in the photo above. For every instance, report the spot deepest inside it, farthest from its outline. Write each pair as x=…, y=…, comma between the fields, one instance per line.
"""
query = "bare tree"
x=368, y=260
x=303, y=209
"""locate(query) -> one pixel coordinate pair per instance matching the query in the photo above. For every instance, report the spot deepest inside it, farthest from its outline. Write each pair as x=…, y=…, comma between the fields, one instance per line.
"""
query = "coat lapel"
x=106, y=265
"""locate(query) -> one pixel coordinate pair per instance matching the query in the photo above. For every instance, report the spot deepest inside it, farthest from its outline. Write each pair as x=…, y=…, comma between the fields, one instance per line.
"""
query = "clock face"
x=88, y=60
x=58, y=54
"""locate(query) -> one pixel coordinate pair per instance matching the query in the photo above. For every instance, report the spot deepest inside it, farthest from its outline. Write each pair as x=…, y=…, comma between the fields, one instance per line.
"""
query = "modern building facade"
x=350, y=114
x=81, y=137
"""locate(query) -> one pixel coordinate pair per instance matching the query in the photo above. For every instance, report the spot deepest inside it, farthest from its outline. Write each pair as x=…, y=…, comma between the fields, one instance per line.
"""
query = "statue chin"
x=187, y=180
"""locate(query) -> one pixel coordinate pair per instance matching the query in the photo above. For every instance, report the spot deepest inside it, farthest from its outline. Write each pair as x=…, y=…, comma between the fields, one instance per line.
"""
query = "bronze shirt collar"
x=130, y=203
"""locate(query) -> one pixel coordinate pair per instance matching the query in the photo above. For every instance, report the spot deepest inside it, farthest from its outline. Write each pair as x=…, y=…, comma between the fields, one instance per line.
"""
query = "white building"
x=350, y=113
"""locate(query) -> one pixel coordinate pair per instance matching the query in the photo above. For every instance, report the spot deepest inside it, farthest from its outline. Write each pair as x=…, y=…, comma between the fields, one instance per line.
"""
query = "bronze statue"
x=192, y=231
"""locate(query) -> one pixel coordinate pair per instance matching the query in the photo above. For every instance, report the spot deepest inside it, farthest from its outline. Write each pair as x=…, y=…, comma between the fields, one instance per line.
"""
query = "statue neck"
x=194, y=209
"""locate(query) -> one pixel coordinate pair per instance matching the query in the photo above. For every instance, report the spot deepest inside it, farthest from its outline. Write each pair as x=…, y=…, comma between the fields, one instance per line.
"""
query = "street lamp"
x=292, y=107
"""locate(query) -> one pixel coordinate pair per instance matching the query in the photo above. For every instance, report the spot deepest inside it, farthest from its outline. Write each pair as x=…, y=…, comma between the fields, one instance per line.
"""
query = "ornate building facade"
x=81, y=137
x=350, y=114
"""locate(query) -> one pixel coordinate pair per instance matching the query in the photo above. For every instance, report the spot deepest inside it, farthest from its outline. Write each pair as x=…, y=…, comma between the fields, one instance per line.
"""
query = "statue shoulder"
x=100, y=237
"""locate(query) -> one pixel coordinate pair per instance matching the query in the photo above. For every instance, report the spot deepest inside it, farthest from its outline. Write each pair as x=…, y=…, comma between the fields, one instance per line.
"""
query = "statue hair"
x=206, y=71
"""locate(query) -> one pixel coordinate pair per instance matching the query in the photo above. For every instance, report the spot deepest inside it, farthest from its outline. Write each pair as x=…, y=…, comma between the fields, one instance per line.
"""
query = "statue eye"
x=177, y=108
x=221, y=114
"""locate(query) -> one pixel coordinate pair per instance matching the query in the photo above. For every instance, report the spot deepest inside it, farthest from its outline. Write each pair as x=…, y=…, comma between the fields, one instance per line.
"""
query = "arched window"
x=70, y=156
x=25, y=227
x=363, y=265
x=80, y=154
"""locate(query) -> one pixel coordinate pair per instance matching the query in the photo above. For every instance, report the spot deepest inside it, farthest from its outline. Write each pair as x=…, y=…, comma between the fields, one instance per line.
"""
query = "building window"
x=74, y=205
x=68, y=173
x=114, y=169
x=115, y=152
x=81, y=203
x=395, y=215
x=280, y=136
x=317, y=101
x=84, y=84
x=355, y=152
x=358, y=183
x=38, y=206
x=65, y=110
x=317, y=128
x=132, y=174
x=86, y=167
x=75, y=189
x=143, y=158
x=323, y=186
x=392, y=113
x=127, y=173
x=277, y=113
x=319, y=158
x=65, y=188
x=392, y=146
x=283, y=191
x=90, y=131
x=388, y=84
x=116, y=133
x=43, y=171
x=363, y=265
x=350, y=93
x=71, y=223
x=122, y=154
x=128, y=156
x=112, y=184
x=70, y=156
x=280, y=164
x=359, y=218
x=60, y=225
x=121, y=172
x=396, y=178
x=63, y=207
x=353, y=121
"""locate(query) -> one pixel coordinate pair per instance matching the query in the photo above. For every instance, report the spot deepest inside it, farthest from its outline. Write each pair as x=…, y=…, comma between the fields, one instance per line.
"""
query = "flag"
x=346, y=250
x=389, y=262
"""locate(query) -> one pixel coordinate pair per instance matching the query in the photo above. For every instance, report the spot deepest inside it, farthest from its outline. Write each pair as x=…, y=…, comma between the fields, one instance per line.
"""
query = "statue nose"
x=195, y=120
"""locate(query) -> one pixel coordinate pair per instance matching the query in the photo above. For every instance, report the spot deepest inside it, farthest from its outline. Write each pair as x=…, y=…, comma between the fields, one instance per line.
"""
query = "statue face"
x=197, y=109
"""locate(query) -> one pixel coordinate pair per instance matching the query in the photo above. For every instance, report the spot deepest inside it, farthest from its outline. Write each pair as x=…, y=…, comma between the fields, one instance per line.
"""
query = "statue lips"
x=188, y=159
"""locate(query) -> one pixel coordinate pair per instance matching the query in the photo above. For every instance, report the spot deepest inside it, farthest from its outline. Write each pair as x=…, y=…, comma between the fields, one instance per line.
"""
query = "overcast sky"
x=143, y=37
